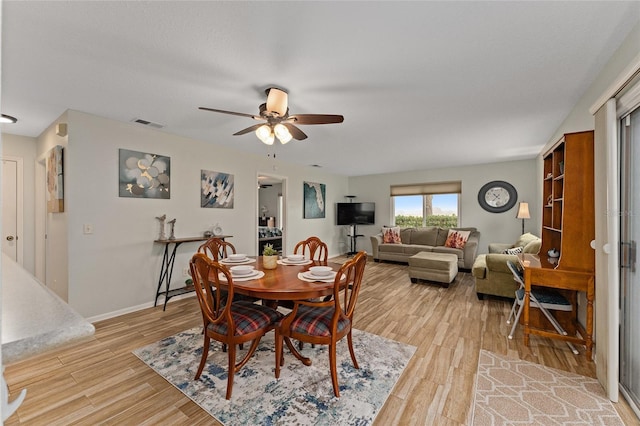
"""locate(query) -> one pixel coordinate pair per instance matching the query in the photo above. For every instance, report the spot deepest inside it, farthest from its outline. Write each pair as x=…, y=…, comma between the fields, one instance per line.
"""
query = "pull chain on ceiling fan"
x=279, y=124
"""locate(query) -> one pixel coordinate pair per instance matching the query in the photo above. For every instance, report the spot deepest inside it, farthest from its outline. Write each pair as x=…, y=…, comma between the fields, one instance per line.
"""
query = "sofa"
x=491, y=273
x=429, y=239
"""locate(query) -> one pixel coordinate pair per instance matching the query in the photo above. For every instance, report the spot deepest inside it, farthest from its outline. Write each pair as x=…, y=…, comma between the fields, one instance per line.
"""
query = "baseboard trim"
x=130, y=309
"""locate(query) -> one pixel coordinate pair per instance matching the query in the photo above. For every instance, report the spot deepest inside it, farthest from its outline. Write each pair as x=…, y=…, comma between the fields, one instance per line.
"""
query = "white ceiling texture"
x=420, y=84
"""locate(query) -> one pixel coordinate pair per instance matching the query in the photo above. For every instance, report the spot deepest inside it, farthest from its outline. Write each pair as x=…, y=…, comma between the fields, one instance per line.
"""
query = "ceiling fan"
x=276, y=119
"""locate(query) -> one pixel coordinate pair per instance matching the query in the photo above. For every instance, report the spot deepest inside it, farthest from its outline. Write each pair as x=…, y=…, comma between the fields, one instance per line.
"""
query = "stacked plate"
x=323, y=273
x=294, y=259
x=236, y=258
x=243, y=271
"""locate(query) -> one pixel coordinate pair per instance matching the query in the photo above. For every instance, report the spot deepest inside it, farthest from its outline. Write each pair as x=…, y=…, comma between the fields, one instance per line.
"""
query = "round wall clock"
x=497, y=196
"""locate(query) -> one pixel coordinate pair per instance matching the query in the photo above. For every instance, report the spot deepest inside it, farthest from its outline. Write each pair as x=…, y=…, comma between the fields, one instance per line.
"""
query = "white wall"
x=117, y=266
x=25, y=148
x=493, y=227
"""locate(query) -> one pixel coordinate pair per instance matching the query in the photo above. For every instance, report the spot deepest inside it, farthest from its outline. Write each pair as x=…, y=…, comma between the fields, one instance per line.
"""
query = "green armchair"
x=491, y=272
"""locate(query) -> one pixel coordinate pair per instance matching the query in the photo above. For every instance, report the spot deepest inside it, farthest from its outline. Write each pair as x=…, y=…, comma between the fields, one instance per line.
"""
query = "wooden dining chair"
x=324, y=322
x=217, y=248
x=316, y=249
x=229, y=323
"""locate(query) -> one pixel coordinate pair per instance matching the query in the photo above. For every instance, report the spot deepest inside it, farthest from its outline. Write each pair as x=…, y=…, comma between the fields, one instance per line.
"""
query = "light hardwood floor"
x=99, y=380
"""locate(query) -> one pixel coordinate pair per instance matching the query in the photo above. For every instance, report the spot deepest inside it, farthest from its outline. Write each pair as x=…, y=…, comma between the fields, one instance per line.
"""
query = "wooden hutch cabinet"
x=568, y=215
x=568, y=226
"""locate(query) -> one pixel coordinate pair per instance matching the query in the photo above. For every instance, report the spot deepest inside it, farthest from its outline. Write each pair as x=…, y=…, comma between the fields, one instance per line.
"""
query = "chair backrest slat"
x=216, y=248
x=315, y=247
x=206, y=281
x=354, y=271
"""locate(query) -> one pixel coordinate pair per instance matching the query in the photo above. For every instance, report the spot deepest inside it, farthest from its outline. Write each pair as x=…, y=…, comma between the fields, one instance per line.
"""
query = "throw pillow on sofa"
x=457, y=239
x=514, y=250
x=391, y=235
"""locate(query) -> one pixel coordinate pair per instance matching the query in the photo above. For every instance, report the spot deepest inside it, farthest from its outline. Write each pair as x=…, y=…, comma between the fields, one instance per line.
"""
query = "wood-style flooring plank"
x=99, y=380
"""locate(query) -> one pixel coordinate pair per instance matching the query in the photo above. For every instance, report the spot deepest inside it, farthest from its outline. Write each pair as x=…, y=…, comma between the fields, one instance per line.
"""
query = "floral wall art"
x=55, y=193
x=216, y=190
x=144, y=175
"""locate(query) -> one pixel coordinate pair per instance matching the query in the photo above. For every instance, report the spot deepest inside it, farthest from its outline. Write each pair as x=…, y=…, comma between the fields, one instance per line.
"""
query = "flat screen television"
x=356, y=213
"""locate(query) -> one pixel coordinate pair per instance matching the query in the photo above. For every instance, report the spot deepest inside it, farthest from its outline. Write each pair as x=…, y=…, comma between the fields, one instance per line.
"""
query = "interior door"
x=10, y=208
x=629, y=277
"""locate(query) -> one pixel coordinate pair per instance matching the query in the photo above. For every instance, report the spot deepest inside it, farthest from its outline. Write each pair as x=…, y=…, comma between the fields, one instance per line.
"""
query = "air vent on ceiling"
x=147, y=123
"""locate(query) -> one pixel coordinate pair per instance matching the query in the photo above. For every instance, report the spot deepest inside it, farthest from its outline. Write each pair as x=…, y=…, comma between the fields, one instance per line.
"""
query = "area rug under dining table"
x=302, y=395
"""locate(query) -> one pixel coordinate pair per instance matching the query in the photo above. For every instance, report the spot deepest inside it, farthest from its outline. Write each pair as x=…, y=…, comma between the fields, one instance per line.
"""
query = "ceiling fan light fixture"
x=282, y=133
x=265, y=134
x=7, y=119
x=277, y=101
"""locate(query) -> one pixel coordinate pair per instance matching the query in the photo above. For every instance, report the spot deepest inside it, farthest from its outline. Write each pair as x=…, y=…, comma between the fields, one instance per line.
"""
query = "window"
x=430, y=204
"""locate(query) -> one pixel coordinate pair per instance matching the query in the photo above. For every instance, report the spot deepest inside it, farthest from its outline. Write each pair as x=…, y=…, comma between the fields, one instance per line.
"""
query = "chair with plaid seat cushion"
x=229, y=323
x=324, y=322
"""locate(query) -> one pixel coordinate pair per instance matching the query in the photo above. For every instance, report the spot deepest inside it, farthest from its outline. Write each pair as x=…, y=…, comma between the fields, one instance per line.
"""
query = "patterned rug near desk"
x=302, y=395
x=511, y=391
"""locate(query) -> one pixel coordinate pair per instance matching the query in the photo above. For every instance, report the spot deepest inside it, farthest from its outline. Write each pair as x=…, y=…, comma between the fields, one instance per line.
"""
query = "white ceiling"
x=420, y=84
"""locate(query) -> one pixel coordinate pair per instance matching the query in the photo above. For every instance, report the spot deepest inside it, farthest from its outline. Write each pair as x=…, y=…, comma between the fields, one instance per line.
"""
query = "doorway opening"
x=271, y=212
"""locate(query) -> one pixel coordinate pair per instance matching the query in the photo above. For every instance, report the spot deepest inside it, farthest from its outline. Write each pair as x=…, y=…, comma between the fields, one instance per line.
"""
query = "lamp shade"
x=282, y=133
x=523, y=211
x=277, y=101
x=265, y=134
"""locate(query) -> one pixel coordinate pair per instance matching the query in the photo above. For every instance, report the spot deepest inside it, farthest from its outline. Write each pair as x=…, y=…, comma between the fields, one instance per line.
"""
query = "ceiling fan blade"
x=295, y=132
x=317, y=118
x=248, y=129
x=241, y=114
x=277, y=101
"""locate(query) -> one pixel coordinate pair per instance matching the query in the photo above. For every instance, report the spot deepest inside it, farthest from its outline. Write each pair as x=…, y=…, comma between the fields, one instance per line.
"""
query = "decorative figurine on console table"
x=162, y=218
x=172, y=224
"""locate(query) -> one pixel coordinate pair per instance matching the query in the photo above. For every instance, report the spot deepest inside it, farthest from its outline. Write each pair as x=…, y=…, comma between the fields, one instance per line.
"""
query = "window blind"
x=453, y=187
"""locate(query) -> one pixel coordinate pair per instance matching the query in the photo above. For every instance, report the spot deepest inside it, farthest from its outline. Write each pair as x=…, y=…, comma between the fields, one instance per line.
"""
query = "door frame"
x=19, y=206
x=283, y=220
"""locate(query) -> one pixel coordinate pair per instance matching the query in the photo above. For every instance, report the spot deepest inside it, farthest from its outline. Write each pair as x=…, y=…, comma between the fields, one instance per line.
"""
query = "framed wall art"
x=144, y=175
x=55, y=180
x=314, y=200
x=216, y=190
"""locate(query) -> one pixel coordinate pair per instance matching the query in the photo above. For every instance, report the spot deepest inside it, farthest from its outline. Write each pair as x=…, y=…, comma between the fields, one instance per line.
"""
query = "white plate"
x=241, y=270
x=312, y=276
x=321, y=271
x=227, y=260
x=255, y=273
x=287, y=260
x=296, y=258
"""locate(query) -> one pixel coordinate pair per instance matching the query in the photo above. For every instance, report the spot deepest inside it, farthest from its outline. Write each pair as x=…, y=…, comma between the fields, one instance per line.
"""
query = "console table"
x=166, y=270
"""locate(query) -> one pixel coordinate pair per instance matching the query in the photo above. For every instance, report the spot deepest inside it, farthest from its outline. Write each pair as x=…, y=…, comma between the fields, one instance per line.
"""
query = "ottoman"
x=439, y=267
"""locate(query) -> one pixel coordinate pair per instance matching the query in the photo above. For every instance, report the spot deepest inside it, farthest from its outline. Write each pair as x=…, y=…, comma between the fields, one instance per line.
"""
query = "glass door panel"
x=629, y=235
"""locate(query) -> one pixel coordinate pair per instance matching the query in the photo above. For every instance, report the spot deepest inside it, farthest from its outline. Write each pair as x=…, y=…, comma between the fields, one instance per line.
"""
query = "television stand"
x=353, y=236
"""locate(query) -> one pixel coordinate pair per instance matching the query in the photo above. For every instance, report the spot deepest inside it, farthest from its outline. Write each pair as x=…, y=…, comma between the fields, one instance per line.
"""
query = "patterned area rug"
x=302, y=395
x=512, y=391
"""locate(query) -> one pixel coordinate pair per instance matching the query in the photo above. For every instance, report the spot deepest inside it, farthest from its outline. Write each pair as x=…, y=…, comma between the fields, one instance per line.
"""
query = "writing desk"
x=540, y=272
x=166, y=269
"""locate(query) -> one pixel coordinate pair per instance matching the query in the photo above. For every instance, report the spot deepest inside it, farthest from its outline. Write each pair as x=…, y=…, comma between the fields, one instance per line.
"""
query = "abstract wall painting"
x=144, y=175
x=55, y=179
x=314, y=200
x=217, y=190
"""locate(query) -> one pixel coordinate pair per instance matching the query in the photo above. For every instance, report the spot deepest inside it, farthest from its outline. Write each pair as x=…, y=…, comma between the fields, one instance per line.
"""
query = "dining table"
x=283, y=282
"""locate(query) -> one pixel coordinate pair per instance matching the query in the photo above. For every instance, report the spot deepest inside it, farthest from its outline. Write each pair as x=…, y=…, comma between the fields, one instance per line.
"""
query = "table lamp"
x=523, y=213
